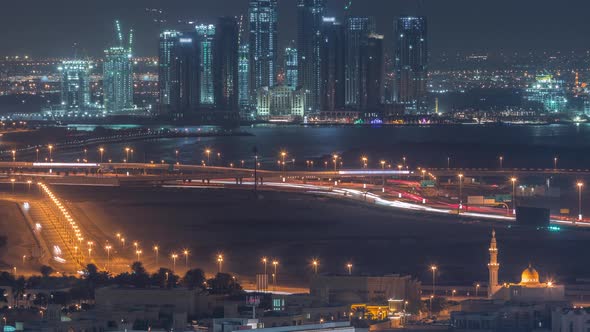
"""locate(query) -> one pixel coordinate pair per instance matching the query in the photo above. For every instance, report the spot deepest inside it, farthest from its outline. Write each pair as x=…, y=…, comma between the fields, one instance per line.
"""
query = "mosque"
x=529, y=289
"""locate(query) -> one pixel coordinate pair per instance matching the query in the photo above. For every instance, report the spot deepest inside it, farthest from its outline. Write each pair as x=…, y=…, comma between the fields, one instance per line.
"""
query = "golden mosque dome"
x=529, y=276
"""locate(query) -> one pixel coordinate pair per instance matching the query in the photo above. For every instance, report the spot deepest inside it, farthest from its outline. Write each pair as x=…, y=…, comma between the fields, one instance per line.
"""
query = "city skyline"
x=526, y=25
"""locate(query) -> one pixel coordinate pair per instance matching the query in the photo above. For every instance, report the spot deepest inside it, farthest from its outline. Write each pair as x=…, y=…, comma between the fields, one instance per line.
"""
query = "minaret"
x=493, y=266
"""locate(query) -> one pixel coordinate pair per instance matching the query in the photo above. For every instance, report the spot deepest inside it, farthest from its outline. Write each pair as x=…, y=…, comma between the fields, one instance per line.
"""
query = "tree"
x=46, y=271
x=139, y=276
x=223, y=283
x=194, y=278
x=164, y=278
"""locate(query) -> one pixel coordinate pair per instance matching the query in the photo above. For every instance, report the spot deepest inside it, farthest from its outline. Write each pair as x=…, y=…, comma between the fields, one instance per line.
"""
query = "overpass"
x=160, y=173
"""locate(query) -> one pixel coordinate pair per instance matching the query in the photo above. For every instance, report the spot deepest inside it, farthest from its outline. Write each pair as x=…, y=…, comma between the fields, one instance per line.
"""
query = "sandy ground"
x=294, y=228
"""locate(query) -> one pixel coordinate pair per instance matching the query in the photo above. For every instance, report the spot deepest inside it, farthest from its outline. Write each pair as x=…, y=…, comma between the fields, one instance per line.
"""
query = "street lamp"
x=501, y=162
x=264, y=262
x=101, y=150
x=219, y=262
x=580, y=185
x=185, y=252
x=365, y=161
x=275, y=264
x=37, y=153
x=108, y=248
x=476, y=289
x=50, y=152
x=174, y=257
x=315, y=264
x=138, y=253
x=349, y=267
x=13, y=155
x=513, y=180
x=555, y=163
x=423, y=174
x=433, y=268
x=335, y=160
x=208, y=153
x=157, y=251
x=127, y=154
x=460, y=192
x=283, y=155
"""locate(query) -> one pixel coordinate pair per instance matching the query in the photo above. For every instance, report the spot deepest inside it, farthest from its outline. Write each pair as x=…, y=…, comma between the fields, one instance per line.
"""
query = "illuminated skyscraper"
x=184, y=77
x=291, y=68
x=309, y=40
x=372, y=73
x=411, y=62
x=244, y=79
x=178, y=73
x=118, y=75
x=263, y=44
x=548, y=92
x=357, y=32
x=75, y=84
x=226, y=64
x=168, y=40
x=332, y=65
x=205, y=38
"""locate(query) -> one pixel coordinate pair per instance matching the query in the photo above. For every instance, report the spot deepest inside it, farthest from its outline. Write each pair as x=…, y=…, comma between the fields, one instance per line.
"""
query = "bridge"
x=132, y=174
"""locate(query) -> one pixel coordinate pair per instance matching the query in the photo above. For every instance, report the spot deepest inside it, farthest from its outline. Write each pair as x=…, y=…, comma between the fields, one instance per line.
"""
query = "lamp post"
x=208, y=153
x=315, y=264
x=580, y=185
x=174, y=257
x=283, y=155
x=433, y=268
x=513, y=180
x=50, y=152
x=37, y=153
x=108, y=249
x=275, y=265
x=264, y=262
x=13, y=155
x=476, y=289
x=157, y=251
x=365, y=160
x=138, y=253
x=101, y=150
x=219, y=262
x=349, y=267
x=448, y=162
x=555, y=163
x=460, y=193
x=127, y=154
x=501, y=162
x=335, y=159
x=185, y=253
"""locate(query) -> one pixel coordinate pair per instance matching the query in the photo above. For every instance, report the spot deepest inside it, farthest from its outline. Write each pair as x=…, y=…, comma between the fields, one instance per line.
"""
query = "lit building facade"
x=244, y=80
x=291, y=68
x=118, y=80
x=357, y=31
x=280, y=103
x=168, y=40
x=549, y=92
x=372, y=74
x=184, y=77
x=75, y=84
x=332, y=86
x=411, y=62
x=205, y=38
x=226, y=65
x=263, y=43
x=310, y=14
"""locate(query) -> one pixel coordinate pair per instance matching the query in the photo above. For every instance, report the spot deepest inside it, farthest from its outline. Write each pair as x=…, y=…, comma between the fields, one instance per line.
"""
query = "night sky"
x=50, y=28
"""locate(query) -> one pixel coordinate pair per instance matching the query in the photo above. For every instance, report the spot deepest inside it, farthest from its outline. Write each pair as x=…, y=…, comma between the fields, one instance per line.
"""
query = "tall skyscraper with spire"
x=493, y=266
x=309, y=41
x=118, y=74
x=264, y=49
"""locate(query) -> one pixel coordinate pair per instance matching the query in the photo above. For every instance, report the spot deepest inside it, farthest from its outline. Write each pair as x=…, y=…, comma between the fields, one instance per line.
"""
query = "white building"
x=280, y=103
